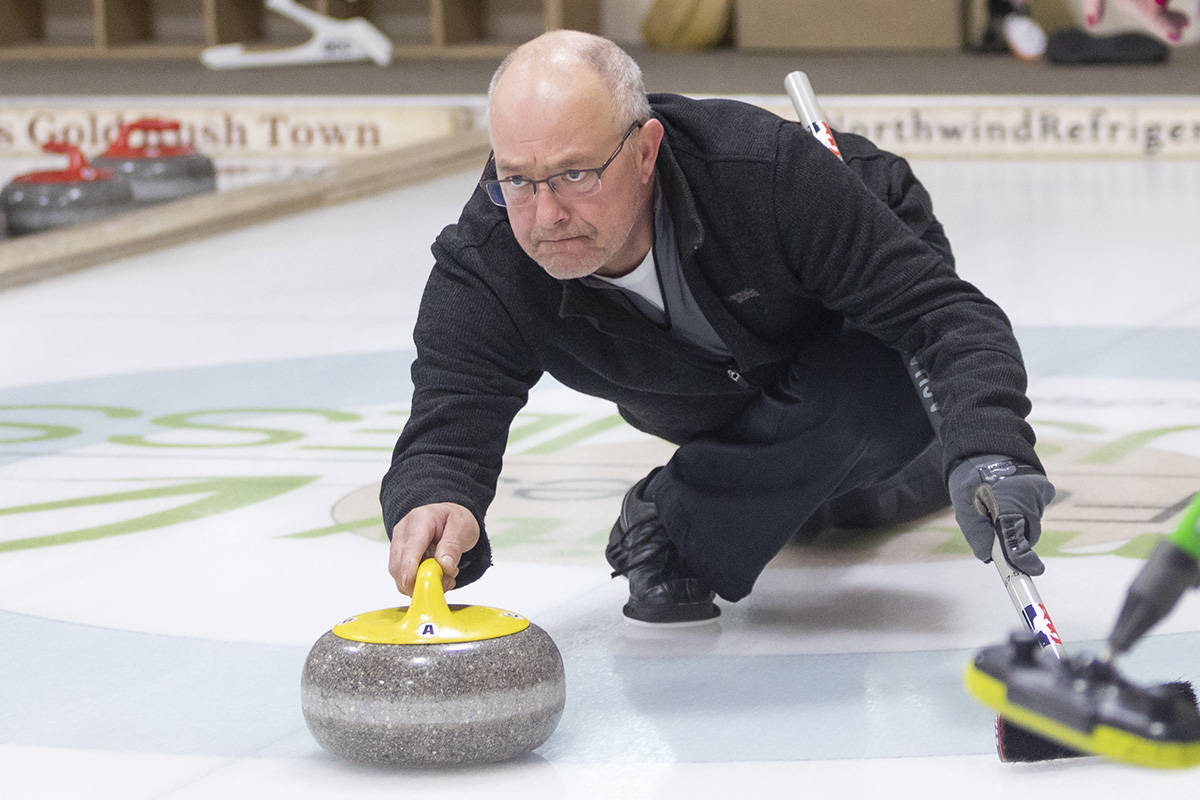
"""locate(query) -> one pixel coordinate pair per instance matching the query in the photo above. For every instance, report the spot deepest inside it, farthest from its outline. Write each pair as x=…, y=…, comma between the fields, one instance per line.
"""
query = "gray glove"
x=997, y=494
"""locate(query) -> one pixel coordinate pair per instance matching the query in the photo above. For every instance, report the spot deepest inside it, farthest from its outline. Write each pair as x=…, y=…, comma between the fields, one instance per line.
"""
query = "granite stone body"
x=157, y=180
x=433, y=704
x=33, y=207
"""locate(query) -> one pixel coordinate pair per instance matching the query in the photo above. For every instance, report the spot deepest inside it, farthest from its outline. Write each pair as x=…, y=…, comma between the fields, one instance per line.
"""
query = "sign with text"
x=913, y=126
x=1019, y=127
x=225, y=127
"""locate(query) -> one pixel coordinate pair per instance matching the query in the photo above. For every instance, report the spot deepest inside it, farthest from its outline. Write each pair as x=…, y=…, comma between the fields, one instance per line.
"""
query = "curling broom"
x=1084, y=703
x=1013, y=743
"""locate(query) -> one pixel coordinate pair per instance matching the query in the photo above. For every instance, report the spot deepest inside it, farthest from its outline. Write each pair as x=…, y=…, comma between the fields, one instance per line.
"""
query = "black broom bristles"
x=1015, y=744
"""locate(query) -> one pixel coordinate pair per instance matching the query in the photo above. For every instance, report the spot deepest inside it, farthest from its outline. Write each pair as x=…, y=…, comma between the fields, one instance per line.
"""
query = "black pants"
x=841, y=440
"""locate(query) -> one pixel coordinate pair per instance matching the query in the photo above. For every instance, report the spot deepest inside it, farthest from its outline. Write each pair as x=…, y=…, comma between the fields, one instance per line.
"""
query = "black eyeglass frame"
x=497, y=183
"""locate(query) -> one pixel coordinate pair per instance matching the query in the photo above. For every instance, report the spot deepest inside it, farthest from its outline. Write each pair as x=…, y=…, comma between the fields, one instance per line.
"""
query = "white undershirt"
x=643, y=281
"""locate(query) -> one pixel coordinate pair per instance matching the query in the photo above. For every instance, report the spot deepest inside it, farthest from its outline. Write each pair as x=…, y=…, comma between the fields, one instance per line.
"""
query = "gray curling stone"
x=40, y=201
x=432, y=684
x=158, y=172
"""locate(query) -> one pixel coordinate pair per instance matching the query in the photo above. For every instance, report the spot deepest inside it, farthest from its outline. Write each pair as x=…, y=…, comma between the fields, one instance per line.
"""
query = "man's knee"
x=916, y=490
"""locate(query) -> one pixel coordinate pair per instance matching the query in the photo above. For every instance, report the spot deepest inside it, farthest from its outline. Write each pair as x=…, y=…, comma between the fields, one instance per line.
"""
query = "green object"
x=1187, y=536
x=1172, y=569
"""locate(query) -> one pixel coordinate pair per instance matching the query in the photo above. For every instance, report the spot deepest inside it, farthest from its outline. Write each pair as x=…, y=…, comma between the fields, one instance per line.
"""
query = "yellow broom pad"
x=1103, y=740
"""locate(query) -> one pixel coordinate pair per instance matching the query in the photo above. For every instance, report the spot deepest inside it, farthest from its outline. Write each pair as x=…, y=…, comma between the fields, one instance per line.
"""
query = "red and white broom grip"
x=1028, y=602
x=808, y=111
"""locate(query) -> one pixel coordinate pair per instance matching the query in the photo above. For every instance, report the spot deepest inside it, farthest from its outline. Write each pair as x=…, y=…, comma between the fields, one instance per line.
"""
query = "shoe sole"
x=682, y=614
x=671, y=626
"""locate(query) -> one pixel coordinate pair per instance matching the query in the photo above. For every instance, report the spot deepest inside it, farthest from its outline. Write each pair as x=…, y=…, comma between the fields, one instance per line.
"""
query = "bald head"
x=560, y=107
x=561, y=68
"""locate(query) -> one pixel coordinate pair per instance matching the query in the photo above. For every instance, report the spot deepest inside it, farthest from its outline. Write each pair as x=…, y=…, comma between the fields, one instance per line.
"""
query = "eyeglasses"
x=569, y=185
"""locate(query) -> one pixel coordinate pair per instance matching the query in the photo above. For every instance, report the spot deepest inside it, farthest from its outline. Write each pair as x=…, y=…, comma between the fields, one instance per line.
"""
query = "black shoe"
x=660, y=590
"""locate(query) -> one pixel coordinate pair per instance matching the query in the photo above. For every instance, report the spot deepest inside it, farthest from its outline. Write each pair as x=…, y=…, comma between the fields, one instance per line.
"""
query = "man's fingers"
x=400, y=563
x=441, y=530
x=412, y=537
x=460, y=534
x=1018, y=540
x=450, y=549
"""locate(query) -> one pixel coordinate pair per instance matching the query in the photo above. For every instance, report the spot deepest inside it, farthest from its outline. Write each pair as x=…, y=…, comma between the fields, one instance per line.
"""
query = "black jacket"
x=779, y=243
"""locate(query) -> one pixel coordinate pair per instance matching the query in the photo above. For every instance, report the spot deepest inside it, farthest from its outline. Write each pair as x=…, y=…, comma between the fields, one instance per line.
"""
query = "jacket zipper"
x=737, y=377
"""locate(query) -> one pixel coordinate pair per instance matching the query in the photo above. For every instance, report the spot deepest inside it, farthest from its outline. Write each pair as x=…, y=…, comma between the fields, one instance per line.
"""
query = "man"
x=735, y=289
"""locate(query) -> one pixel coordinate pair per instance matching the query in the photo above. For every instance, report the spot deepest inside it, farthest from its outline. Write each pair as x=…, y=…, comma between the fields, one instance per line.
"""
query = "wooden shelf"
x=139, y=29
x=227, y=21
x=21, y=23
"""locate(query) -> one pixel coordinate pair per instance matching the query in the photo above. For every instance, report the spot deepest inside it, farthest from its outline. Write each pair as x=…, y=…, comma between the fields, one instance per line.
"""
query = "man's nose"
x=549, y=207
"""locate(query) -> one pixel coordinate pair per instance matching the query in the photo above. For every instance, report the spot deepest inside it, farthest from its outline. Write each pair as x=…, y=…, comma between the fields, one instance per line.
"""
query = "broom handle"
x=1028, y=602
x=808, y=111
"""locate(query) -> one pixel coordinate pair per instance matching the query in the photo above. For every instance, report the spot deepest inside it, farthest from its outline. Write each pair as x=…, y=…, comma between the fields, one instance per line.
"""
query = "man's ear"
x=649, y=138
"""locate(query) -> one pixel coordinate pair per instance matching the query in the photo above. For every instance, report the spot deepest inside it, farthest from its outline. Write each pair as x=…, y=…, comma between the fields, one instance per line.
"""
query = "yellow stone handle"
x=428, y=603
x=428, y=620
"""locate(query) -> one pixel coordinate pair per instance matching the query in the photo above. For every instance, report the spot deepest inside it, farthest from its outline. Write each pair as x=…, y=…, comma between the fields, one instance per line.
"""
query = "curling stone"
x=432, y=684
x=158, y=172
x=40, y=201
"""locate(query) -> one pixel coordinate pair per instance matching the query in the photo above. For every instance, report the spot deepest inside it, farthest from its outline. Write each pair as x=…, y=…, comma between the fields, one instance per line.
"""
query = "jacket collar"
x=607, y=315
x=689, y=233
x=599, y=307
x=748, y=351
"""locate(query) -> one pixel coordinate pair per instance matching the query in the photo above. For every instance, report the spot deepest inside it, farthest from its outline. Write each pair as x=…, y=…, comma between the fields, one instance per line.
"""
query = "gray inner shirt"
x=683, y=320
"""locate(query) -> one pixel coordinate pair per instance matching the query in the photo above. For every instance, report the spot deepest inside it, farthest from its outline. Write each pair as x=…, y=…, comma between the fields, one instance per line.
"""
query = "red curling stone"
x=157, y=171
x=39, y=201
